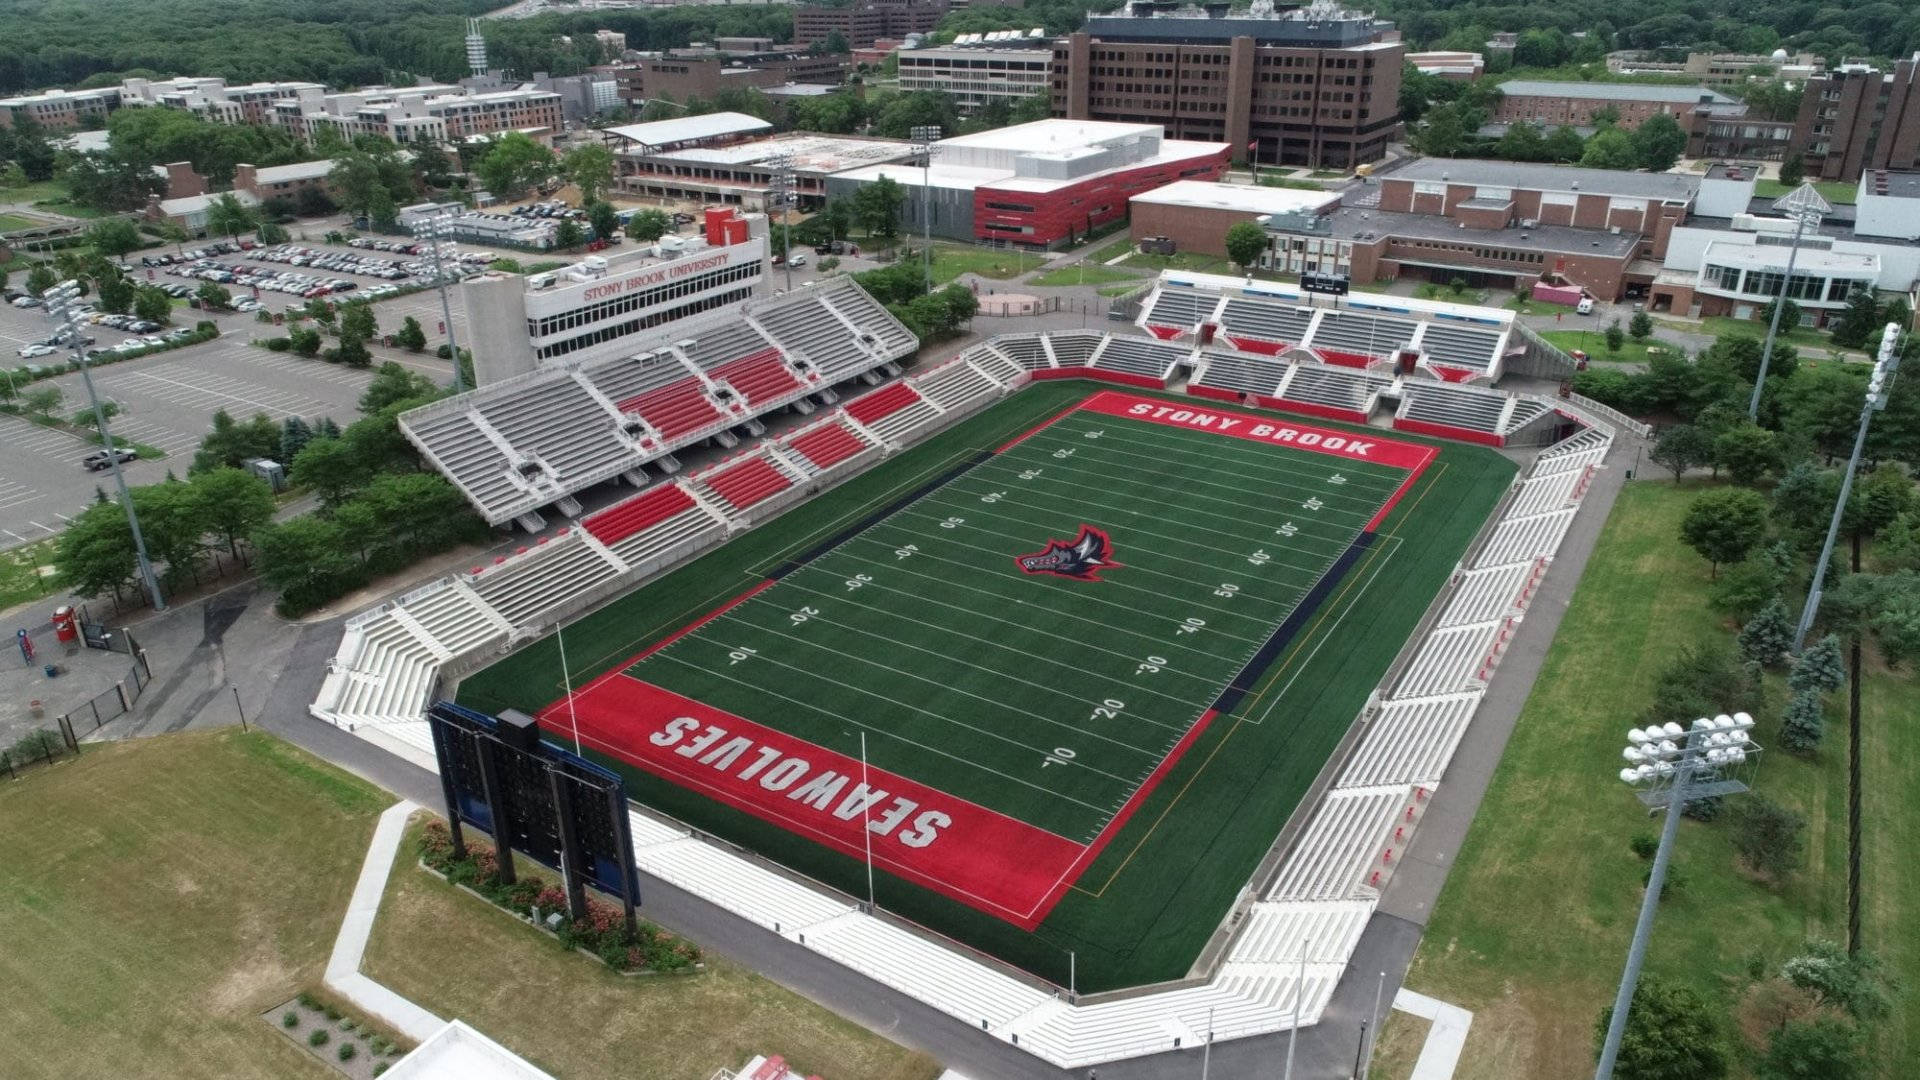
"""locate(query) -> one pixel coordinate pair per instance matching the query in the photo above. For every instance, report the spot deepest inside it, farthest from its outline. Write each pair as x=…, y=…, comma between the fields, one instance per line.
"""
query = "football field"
x=1011, y=671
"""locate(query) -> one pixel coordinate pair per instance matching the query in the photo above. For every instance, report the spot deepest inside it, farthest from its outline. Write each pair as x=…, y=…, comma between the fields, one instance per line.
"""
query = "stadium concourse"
x=1289, y=943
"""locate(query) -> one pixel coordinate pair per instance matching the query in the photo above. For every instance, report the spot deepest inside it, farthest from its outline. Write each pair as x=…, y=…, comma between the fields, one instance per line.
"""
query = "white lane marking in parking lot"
x=14, y=493
x=155, y=435
x=185, y=392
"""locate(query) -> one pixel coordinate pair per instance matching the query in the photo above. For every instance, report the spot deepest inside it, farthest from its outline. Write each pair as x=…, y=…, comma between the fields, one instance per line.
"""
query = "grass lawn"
x=1890, y=878
x=20, y=576
x=27, y=194
x=1290, y=182
x=1834, y=191
x=1194, y=261
x=1594, y=343
x=1083, y=274
x=161, y=893
x=1799, y=336
x=950, y=261
x=445, y=949
x=1120, y=246
x=1117, y=290
x=10, y=222
x=1555, y=825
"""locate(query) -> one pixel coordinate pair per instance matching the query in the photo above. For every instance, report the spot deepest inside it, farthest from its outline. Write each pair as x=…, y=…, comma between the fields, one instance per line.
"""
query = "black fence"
x=116, y=700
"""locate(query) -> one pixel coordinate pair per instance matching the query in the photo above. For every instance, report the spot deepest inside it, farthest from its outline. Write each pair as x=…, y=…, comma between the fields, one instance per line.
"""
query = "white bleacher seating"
x=998, y=365
x=526, y=585
x=744, y=887
x=456, y=618
x=1449, y=660
x=392, y=676
x=1525, y=411
x=1267, y=320
x=1334, y=387
x=1487, y=594
x=1471, y=347
x=628, y=377
x=892, y=338
x=1522, y=538
x=1341, y=844
x=1572, y=454
x=1073, y=348
x=722, y=342
x=1454, y=406
x=955, y=384
x=1026, y=350
x=562, y=424
x=1273, y=933
x=971, y=992
x=1142, y=357
x=475, y=464
x=1241, y=373
x=1367, y=335
x=1411, y=740
x=1543, y=493
x=1179, y=307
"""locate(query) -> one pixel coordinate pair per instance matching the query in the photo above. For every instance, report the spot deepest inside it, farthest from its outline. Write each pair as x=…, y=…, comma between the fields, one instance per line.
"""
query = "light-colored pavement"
x=350, y=945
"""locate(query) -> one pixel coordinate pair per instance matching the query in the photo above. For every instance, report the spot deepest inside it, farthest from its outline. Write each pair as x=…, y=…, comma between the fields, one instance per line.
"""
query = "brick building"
x=977, y=69
x=1858, y=118
x=864, y=21
x=684, y=73
x=61, y=110
x=1315, y=86
x=1196, y=214
x=1040, y=185
x=1575, y=104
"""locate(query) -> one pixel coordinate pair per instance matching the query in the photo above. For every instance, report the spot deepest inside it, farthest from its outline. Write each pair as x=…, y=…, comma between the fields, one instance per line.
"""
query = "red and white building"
x=1041, y=185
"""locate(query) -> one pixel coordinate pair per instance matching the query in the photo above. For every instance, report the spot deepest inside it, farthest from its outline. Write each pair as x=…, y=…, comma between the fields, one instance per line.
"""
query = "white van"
x=1585, y=307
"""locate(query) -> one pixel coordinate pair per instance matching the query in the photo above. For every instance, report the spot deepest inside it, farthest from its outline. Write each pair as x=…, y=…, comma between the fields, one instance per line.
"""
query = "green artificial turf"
x=1141, y=911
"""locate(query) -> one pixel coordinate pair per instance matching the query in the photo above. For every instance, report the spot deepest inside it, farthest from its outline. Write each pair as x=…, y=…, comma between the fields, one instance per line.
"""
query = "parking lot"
x=167, y=401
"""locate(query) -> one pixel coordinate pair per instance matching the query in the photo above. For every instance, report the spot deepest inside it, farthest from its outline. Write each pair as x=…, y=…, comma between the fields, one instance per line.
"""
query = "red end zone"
x=977, y=856
x=964, y=851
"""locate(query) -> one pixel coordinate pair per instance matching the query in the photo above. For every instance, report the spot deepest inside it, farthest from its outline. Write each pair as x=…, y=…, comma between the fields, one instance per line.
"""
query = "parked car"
x=102, y=459
x=28, y=352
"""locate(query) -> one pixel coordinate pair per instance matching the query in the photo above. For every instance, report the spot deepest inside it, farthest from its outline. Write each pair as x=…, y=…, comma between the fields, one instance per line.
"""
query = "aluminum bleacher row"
x=1454, y=343
x=518, y=445
x=1297, y=381
x=1316, y=901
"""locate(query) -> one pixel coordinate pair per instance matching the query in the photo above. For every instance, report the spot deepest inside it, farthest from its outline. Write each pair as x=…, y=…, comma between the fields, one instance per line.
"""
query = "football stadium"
x=1077, y=663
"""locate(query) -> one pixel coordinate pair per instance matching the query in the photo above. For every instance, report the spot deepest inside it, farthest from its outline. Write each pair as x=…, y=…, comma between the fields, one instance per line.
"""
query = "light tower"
x=476, y=49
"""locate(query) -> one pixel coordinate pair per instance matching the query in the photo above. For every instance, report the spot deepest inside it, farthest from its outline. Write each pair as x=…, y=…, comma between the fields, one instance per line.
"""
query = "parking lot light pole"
x=59, y=300
x=437, y=227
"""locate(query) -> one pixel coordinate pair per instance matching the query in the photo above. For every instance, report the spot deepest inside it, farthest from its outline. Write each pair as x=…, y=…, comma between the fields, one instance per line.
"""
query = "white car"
x=30, y=351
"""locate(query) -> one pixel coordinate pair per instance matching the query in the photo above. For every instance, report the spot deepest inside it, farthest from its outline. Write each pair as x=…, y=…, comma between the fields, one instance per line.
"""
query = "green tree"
x=393, y=382
x=170, y=522
x=1640, y=326
x=353, y=352
x=1766, y=638
x=604, y=219
x=410, y=336
x=1682, y=447
x=95, y=555
x=357, y=322
x=114, y=236
x=960, y=302
x=115, y=295
x=1610, y=148
x=590, y=167
x=1789, y=318
x=41, y=401
x=1855, y=983
x=877, y=207
x=308, y=558
x=214, y=296
x=1884, y=494
x=1804, y=723
x=1659, y=142
x=233, y=503
x=568, y=236
x=86, y=417
x=1747, y=452
x=1820, y=1048
x=1616, y=338
x=41, y=278
x=648, y=225
x=1793, y=168
x=306, y=341
x=1564, y=145
x=294, y=434
x=231, y=443
x=153, y=305
x=1724, y=526
x=1819, y=669
x=1822, y=406
x=271, y=233
x=514, y=163
x=228, y=216
x=1898, y=545
x=1859, y=321
x=1768, y=837
x=1669, y=1034
x=329, y=468
x=1522, y=142
x=1245, y=243
x=1444, y=132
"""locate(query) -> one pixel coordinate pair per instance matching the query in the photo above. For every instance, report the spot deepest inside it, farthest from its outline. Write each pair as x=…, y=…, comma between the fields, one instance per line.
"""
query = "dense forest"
x=356, y=42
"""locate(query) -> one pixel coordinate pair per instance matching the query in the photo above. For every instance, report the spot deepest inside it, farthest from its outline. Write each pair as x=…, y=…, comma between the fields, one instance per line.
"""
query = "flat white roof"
x=812, y=153
x=1774, y=257
x=685, y=128
x=968, y=177
x=1041, y=136
x=299, y=170
x=1205, y=195
x=458, y=1052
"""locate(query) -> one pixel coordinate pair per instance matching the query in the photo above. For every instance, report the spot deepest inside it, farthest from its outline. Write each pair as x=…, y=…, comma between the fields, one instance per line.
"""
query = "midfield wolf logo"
x=1082, y=559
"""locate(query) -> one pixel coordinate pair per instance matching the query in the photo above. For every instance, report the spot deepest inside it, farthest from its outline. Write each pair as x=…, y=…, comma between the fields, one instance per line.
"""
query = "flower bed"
x=603, y=933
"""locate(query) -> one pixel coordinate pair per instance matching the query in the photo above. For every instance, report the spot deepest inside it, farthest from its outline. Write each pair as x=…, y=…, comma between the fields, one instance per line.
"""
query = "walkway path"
x=350, y=946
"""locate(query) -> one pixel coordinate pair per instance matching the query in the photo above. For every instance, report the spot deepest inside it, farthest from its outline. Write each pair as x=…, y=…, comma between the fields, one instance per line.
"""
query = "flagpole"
x=566, y=678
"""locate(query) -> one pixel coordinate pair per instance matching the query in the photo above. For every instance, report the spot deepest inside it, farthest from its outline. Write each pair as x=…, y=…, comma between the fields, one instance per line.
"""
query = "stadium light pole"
x=926, y=135
x=1675, y=765
x=1884, y=367
x=1206, y=1052
x=781, y=165
x=866, y=825
x=1299, y=992
x=59, y=302
x=1807, y=209
x=437, y=228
